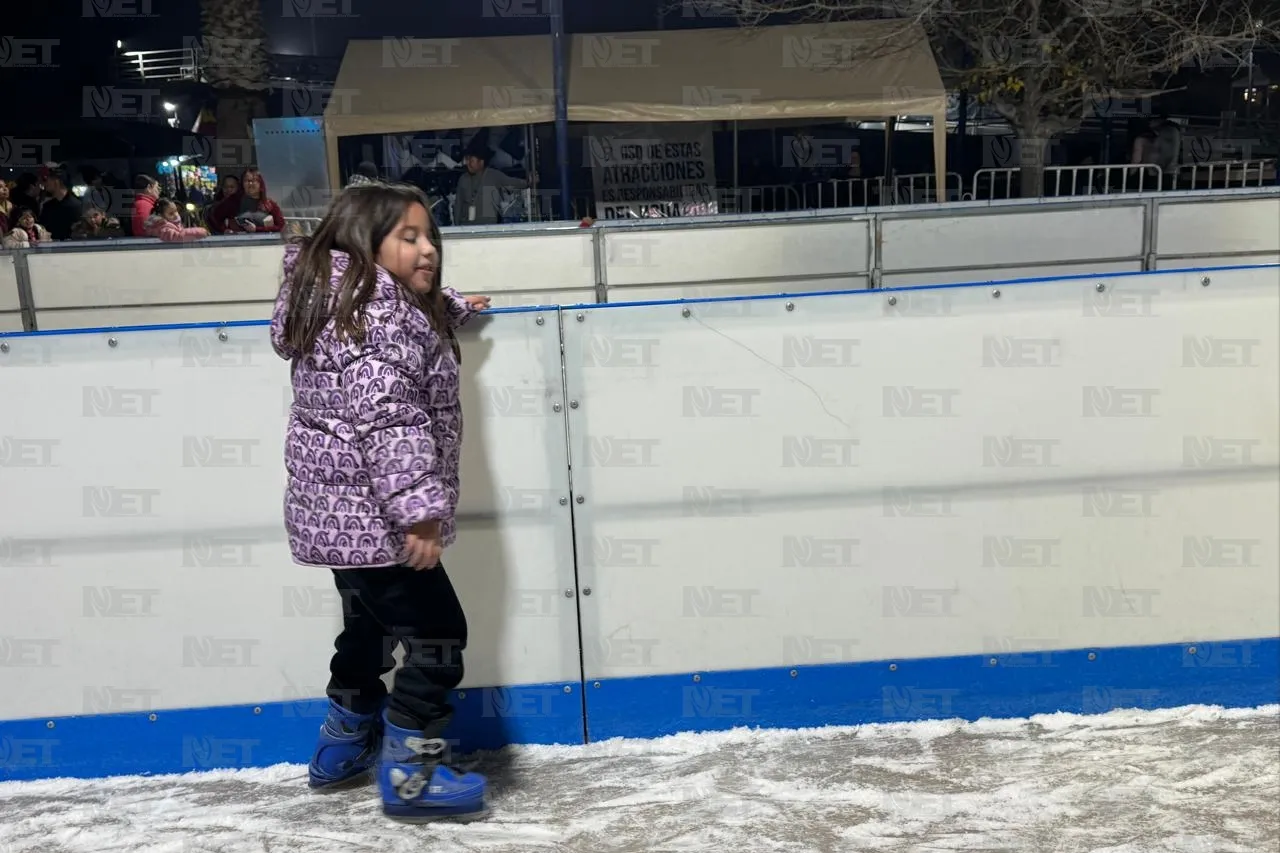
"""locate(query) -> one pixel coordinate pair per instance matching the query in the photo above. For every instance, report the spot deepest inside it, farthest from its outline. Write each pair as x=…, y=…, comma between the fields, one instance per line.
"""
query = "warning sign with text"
x=645, y=172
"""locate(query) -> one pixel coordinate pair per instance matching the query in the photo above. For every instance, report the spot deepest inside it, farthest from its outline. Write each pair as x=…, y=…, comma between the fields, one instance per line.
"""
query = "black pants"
x=389, y=607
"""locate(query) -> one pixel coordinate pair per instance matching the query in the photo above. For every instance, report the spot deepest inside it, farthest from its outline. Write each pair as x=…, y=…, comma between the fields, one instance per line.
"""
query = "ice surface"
x=1191, y=780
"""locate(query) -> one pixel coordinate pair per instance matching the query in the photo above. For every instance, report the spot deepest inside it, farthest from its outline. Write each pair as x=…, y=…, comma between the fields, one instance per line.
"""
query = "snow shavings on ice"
x=1186, y=780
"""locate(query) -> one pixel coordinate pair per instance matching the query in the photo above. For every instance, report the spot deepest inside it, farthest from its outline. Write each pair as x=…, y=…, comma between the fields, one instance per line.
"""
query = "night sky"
x=86, y=32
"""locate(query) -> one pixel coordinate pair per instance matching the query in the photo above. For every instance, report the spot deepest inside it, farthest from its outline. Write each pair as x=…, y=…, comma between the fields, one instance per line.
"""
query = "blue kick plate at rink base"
x=193, y=739
x=1240, y=673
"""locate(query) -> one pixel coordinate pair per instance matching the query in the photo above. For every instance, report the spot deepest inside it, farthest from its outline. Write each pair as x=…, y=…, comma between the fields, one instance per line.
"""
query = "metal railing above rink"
x=224, y=278
x=1112, y=179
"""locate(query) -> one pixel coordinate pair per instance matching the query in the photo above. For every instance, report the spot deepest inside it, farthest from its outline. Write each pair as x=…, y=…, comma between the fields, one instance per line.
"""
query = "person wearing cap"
x=477, y=200
x=63, y=210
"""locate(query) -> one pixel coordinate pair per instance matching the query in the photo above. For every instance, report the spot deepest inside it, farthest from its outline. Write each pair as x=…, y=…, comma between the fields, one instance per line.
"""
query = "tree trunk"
x=1033, y=151
x=234, y=62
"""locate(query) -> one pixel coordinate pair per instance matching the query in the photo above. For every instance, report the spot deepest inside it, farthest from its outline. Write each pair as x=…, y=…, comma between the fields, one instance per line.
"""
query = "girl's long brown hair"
x=360, y=218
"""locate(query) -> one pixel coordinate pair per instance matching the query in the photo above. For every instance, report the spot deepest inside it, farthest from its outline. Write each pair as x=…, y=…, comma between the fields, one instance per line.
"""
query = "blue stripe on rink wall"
x=192, y=739
x=1240, y=673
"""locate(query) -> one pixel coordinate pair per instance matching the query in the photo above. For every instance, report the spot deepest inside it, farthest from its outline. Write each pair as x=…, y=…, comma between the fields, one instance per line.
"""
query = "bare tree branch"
x=1046, y=65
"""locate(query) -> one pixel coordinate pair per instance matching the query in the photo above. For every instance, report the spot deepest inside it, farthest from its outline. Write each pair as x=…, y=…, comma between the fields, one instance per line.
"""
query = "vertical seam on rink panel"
x=875, y=275
x=573, y=524
x=26, y=299
x=601, y=268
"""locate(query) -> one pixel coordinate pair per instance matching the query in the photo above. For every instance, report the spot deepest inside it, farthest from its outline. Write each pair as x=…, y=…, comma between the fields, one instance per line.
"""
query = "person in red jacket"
x=166, y=224
x=146, y=190
x=248, y=210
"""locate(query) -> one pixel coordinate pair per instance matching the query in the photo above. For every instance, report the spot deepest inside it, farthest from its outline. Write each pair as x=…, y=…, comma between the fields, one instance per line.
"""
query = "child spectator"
x=27, y=232
x=96, y=225
x=165, y=223
x=248, y=210
x=372, y=453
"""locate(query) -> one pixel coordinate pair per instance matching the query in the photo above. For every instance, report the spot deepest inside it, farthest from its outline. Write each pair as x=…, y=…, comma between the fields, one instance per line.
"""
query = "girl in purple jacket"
x=372, y=459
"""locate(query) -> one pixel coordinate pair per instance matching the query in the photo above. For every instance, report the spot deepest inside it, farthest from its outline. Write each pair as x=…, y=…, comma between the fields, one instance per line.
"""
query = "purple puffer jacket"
x=374, y=431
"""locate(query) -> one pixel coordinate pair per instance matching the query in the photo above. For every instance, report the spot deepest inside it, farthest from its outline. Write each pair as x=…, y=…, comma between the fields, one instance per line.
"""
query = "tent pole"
x=558, y=47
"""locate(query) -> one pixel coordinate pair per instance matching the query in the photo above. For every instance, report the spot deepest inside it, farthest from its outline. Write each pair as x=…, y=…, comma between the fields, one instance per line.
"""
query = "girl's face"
x=407, y=252
x=230, y=185
x=252, y=185
x=4, y=192
x=171, y=213
x=26, y=221
x=96, y=217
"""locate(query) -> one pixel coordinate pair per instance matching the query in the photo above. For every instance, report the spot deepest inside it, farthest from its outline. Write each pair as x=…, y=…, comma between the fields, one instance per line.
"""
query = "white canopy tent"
x=854, y=70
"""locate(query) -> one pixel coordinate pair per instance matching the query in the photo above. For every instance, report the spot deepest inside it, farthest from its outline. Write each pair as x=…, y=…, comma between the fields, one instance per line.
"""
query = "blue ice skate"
x=346, y=749
x=416, y=785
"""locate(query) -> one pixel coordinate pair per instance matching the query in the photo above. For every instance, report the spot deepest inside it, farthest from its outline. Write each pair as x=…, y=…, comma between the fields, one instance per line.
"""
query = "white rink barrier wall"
x=1054, y=495
x=141, y=282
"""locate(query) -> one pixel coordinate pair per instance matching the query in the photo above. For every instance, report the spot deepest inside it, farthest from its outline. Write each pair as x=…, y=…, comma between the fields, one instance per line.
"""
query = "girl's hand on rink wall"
x=422, y=545
x=477, y=303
